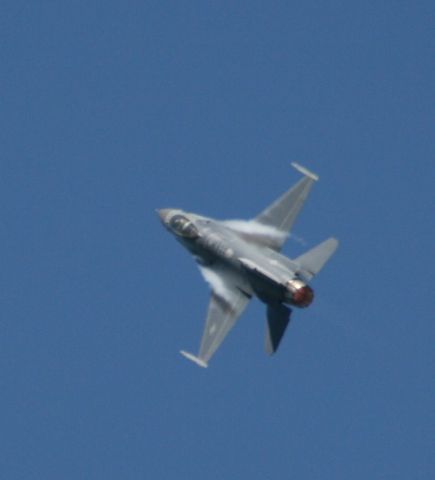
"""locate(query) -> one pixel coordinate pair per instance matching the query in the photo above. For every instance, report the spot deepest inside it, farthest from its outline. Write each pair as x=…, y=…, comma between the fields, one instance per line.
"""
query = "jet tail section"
x=315, y=259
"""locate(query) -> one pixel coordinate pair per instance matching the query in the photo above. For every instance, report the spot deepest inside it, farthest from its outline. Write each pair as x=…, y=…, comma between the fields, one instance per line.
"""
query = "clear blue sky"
x=112, y=109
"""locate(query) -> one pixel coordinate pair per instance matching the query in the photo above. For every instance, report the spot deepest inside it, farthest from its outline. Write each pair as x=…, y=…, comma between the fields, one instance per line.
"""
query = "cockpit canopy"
x=183, y=227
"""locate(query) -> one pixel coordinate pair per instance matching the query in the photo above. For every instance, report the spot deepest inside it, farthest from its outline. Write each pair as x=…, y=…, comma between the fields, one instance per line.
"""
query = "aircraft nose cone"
x=163, y=214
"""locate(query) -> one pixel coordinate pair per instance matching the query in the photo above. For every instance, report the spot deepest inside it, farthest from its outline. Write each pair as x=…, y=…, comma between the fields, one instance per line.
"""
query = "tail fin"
x=278, y=317
x=314, y=260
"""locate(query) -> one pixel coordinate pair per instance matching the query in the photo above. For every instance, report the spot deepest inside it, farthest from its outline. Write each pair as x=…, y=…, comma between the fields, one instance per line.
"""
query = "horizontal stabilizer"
x=314, y=260
x=194, y=359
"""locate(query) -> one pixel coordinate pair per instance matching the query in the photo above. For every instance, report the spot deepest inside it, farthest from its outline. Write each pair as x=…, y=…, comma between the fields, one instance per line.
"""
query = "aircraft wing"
x=226, y=305
x=282, y=213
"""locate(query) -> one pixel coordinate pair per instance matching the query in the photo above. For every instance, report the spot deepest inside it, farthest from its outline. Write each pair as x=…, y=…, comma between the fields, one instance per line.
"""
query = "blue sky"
x=110, y=110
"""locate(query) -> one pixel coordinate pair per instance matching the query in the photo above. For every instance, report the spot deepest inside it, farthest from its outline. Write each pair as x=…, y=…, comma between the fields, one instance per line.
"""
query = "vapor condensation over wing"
x=251, y=227
x=216, y=282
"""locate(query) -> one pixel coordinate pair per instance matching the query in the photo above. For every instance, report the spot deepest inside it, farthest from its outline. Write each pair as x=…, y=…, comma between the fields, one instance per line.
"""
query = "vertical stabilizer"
x=278, y=317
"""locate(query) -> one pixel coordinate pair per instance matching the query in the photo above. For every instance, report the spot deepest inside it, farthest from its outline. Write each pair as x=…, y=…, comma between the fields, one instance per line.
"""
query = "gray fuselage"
x=257, y=269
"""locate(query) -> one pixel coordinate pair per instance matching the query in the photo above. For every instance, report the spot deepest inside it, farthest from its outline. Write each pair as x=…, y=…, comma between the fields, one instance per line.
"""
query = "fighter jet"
x=241, y=259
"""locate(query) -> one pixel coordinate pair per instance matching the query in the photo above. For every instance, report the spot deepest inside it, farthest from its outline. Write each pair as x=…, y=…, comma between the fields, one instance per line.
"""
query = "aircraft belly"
x=267, y=286
x=267, y=281
x=267, y=292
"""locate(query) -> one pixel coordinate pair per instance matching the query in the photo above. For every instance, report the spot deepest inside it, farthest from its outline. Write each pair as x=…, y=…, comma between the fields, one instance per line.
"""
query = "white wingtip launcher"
x=194, y=359
x=305, y=171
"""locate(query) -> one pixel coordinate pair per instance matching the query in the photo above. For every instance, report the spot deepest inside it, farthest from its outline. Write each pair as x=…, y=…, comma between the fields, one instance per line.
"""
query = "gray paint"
x=240, y=259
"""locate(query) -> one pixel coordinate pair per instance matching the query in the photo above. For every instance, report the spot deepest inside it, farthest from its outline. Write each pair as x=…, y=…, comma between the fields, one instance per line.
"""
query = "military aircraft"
x=240, y=259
